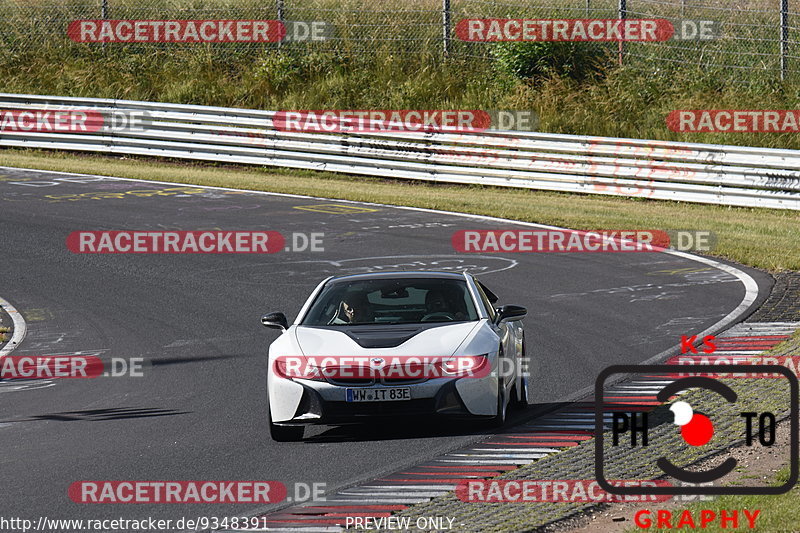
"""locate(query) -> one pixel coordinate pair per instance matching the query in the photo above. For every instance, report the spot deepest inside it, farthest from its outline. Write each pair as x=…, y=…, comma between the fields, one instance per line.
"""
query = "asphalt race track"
x=198, y=410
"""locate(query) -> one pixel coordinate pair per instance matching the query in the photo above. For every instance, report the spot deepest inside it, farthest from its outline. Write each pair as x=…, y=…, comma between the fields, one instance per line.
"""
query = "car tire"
x=499, y=419
x=521, y=402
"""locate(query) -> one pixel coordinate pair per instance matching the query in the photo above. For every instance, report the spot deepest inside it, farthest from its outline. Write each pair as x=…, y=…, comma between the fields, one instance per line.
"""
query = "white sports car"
x=394, y=344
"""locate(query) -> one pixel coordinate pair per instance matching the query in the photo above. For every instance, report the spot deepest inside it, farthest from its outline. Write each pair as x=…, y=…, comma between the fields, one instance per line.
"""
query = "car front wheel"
x=520, y=397
x=502, y=406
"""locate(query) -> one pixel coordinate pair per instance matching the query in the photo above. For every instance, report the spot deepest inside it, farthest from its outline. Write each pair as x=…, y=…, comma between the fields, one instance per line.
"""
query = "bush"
x=536, y=59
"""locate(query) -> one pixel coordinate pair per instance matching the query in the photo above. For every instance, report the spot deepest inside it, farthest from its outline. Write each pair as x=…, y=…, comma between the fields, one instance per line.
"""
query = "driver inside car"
x=353, y=309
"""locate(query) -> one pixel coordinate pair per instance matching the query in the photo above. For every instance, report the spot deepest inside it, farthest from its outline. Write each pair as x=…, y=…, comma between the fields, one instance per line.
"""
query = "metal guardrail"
x=689, y=172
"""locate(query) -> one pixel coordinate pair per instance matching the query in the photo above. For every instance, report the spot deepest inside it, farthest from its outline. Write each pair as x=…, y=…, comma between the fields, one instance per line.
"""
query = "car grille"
x=352, y=382
x=424, y=406
x=402, y=381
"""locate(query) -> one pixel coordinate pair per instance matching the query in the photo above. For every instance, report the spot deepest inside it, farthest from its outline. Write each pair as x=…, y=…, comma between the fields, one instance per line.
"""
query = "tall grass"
x=619, y=102
x=388, y=55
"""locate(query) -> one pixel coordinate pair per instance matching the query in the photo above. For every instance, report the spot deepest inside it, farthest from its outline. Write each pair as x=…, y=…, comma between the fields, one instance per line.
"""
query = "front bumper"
x=315, y=410
x=314, y=402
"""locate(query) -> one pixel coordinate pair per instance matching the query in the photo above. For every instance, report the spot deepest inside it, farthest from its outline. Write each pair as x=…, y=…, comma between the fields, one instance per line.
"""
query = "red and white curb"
x=504, y=452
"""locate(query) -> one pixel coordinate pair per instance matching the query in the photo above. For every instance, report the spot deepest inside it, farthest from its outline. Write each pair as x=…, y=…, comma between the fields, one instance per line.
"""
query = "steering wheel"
x=438, y=317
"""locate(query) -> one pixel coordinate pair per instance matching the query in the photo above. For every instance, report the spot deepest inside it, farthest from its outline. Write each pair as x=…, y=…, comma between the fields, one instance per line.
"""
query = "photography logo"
x=693, y=416
x=696, y=428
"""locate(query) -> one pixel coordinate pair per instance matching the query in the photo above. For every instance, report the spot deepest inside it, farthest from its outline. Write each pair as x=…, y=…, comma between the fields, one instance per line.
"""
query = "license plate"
x=378, y=395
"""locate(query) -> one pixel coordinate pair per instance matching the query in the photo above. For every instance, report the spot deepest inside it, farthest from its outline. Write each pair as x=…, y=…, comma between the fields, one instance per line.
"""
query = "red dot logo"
x=696, y=429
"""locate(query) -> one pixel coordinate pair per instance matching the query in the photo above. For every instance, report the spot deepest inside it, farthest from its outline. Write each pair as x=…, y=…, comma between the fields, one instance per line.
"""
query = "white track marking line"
x=502, y=448
x=561, y=426
x=315, y=529
x=429, y=492
x=573, y=415
x=367, y=488
x=510, y=456
x=490, y=461
x=373, y=500
x=724, y=352
x=407, y=490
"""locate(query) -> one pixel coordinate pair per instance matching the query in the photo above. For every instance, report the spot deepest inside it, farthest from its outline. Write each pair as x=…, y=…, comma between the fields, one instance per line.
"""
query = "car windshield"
x=391, y=301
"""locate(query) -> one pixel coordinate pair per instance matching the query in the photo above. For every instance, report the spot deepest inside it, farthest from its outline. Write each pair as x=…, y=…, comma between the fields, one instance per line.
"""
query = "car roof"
x=399, y=274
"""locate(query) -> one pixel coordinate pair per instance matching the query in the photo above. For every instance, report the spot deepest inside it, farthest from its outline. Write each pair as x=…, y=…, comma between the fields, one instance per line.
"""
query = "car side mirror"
x=275, y=320
x=510, y=312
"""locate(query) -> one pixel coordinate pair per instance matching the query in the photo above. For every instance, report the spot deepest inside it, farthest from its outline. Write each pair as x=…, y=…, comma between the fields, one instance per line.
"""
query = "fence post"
x=588, y=8
x=104, y=16
x=623, y=14
x=281, y=17
x=784, y=38
x=446, y=27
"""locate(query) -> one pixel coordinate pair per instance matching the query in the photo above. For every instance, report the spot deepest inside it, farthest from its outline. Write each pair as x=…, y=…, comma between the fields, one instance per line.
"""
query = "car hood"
x=440, y=340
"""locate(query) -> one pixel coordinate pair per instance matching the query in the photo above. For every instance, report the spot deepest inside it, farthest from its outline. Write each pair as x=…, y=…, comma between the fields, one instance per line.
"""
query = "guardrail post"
x=784, y=38
x=623, y=14
x=104, y=16
x=446, y=27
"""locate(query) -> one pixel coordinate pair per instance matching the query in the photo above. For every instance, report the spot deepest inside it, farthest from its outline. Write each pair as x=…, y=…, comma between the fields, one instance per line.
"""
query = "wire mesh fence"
x=749, y=35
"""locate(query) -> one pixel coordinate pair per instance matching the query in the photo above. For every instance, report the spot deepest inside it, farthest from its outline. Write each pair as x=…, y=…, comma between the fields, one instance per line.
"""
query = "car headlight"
x=473, y=366
x=296, y=368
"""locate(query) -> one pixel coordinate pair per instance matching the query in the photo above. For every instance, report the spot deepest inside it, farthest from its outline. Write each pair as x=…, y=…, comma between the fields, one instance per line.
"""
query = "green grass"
x=389, y=57
x=618, y=102
x=777, y=513
x=764, y=238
